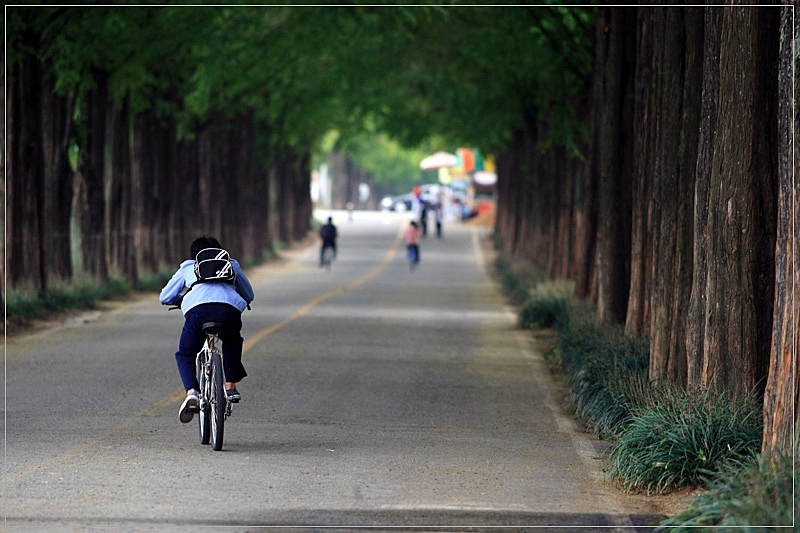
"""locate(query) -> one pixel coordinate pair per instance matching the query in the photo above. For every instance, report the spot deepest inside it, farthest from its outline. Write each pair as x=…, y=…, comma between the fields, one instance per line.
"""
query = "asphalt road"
x=378, y=398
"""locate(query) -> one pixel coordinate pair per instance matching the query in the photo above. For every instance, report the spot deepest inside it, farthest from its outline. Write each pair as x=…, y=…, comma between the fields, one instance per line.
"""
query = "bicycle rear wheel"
x=217, y=401
x=204, y=416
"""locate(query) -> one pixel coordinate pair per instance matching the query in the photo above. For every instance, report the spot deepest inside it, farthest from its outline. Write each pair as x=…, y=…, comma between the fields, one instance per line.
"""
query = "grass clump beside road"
x=750, y=497
x=545, y=305
x=607, y=371
x=31, y=305
x=679, y=438
x=663, y=437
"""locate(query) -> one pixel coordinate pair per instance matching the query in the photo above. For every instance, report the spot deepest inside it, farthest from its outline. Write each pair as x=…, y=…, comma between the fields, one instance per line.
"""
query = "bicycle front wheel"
x=217, y=400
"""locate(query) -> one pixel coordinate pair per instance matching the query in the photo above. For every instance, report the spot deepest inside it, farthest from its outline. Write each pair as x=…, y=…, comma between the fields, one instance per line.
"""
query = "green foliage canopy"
x=460, y=74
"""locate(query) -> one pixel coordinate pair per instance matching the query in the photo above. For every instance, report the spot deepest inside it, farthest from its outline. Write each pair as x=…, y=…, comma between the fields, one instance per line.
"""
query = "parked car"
x=399, y=203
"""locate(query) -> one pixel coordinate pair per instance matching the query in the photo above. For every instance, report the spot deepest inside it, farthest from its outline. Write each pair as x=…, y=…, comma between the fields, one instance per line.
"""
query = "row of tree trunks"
x=680, y=215
x=138, y=196
x=345, y=178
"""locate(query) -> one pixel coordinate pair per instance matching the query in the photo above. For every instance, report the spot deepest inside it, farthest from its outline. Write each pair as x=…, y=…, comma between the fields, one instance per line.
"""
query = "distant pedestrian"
x=412, y=242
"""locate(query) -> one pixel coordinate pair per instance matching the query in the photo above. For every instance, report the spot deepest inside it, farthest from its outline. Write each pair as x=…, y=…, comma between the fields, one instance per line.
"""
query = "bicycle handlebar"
x=178, y=306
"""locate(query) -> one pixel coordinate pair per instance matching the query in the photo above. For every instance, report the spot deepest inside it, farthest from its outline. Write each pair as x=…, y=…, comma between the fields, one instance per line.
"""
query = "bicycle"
x=214, y=408
x=327, y=257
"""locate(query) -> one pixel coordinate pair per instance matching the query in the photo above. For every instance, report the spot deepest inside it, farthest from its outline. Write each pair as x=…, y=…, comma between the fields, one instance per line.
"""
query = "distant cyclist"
x=328, y=235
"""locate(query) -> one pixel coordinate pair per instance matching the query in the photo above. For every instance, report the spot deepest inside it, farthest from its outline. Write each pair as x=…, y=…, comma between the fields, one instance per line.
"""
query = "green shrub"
x=607, y=370
x=24, y=305
x=547, y=306
x=580, y=338
x=518, y=279
x=754, y=497
x=610, y=384
x=679, y=438
x=515, y=287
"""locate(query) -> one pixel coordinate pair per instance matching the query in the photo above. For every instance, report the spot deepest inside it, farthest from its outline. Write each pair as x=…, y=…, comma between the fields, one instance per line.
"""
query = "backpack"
x=214, y=265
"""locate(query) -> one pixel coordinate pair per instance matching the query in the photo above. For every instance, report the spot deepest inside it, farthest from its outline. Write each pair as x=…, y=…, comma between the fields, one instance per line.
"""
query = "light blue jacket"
x=202, y=293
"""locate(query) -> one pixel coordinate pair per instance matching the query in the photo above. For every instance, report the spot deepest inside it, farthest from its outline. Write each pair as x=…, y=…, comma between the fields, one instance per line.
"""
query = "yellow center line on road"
x=328, y=295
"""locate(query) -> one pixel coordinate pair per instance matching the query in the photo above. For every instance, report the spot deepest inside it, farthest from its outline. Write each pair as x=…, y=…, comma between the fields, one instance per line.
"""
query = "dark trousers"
x=192, y=338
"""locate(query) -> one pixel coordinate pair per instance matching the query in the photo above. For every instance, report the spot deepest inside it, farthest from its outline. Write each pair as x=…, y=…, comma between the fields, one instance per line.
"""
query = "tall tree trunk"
x=26, y=256
x=561, y=237
x=56, y=128
x=645, y=127
x=741, y=205
x=247, y=201
x=209, y=162
x=782, y=392
x=532, y=245
x=4, y=172
x=177, y=195
x=119, y=196
x=707, y=139
x=92, y=165
x=284, y=192
x=585, y=266
x=301, y=193
x=274, y=202
x=513, y=174
x=186, y=189
x=616, y=27
x=673, y=190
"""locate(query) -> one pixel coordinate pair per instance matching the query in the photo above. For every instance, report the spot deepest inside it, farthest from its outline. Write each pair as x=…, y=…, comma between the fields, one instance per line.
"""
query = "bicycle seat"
x=212, y=327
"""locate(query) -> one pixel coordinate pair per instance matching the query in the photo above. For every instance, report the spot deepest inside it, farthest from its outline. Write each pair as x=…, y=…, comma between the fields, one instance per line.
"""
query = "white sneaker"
x=189, y=407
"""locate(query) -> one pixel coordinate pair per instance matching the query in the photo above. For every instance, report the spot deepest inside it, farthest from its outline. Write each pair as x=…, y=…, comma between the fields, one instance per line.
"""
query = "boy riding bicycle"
x=208, y=302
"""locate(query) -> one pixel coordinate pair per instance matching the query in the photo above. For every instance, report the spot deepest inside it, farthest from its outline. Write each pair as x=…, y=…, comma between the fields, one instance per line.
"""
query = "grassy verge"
x=679, y=438
x=663, y=438
x=31, y=305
